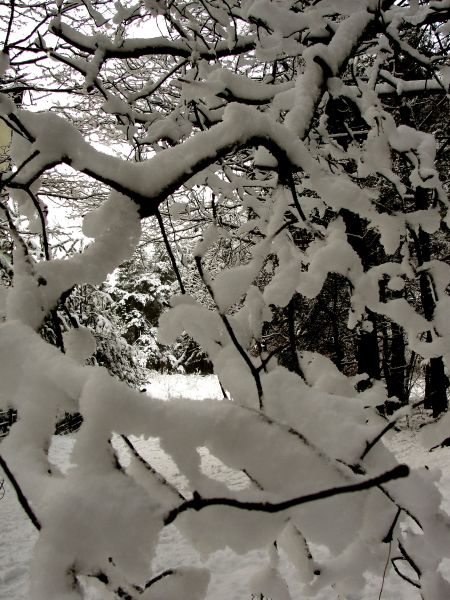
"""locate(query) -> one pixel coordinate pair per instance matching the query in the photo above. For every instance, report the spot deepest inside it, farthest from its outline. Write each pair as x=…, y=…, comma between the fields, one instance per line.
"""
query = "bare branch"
x=20, y=495
x=198, y=503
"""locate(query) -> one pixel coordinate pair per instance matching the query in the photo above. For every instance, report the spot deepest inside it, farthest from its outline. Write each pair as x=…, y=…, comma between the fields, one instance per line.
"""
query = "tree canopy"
x=291, y=158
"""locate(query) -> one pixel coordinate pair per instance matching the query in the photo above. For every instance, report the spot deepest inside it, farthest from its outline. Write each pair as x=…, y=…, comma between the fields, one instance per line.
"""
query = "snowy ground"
x=230, y=571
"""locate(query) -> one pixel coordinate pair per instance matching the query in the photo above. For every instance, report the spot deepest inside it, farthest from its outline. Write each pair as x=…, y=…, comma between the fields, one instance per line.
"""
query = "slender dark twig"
x=222, y=389
x=145, y=93
x=119, y=592
x=20, y=495
x=38, y=207
x=291, y=184
x=384, y=570
x=170, y=251
x=20, y=127
x=253, y=480
x=270, y=355
x=405, y=510
x=159, y=577
x=14, y=231
x=10, y=180
x=53, y=312
x=388, y=538
x=402, y=575
x=390, y=534
x=253, y=370
x=409, y=559
x=392, y=423
x=150, y=468
x=10, y=22
x=20, y=242
x=198, y=503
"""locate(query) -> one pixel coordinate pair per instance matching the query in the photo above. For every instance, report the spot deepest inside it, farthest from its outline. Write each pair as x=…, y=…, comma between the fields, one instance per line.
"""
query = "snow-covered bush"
x=231, y=96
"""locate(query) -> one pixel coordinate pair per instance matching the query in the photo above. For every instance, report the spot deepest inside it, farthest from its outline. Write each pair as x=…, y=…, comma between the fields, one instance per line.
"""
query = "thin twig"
x=10, y=22
x=159, y=577
x=388, y=539
x=117, y=591
x=392, y=423
x=409, y=559
x=150, y=468
x=291, y=184
x=405, y=510
x=253, y=480
x=20, y=495
x=170, y=251
x=390, y=534
x=9, y=181
x=198, y=503
x=402, y=575
x=384, y=570
x=40, y=212
x=254, y=371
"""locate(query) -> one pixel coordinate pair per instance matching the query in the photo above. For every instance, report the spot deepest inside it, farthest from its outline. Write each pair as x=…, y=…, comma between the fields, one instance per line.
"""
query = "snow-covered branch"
x=198, y=503
x=277, y=160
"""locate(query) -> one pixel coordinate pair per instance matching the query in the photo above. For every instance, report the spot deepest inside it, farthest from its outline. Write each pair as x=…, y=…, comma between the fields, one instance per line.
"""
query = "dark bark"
x=198, y=502
x=394, y=356
x=368, y=354
x=436, y=381
x=396, y=373
x=292, y=338
x=436, y=384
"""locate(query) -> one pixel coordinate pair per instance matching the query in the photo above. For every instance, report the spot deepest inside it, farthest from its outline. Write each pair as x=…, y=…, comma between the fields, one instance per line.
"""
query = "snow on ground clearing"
x=230, y=572
x=17, y=536
x=194, y=387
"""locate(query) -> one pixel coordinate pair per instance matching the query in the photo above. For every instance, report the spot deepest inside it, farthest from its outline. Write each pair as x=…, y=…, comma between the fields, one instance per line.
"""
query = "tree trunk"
x=436, y=381
x=394, y=365
x=368, y=355
x=394, y=355
x=367, y=351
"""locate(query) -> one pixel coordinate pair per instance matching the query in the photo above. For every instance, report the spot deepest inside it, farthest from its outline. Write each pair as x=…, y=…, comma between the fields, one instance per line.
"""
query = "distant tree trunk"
x=293, y=358
x=367, y=350
x=337, y=342
x=394, y=363
x=394, y=354
x=368, y=354
x=436, y=381
x=397, y=384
